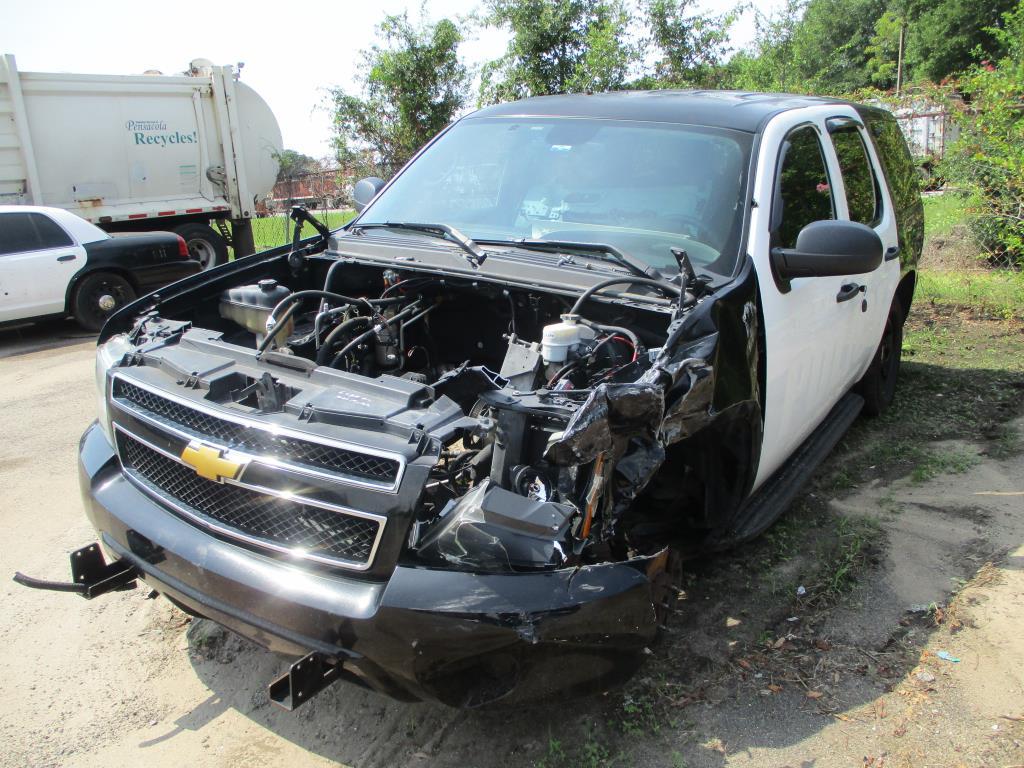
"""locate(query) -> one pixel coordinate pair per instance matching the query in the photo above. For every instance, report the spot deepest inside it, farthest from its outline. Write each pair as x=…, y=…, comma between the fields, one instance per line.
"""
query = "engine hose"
x=279, y=326
x=299, y=296
x=364, y=336
x=615, y=329
x=325, y=349
x=659, y=284
x=562, y=372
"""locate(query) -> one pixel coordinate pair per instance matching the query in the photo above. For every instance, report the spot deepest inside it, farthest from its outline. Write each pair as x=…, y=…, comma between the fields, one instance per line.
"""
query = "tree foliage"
x=771, y=63
x=988, y=158
x=691, y=44
x=557, y=46
x=951, y=35
x=413, y=84
x=840, y=46
x=292, y=164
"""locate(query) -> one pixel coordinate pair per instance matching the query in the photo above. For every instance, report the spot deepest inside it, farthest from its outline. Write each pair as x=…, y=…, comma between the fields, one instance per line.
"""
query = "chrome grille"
x=201, y=425
x=284, y=524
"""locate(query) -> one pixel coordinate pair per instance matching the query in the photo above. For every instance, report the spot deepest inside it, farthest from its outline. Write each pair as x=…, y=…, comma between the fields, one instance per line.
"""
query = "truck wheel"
x=878, y=387
x=205, y=244
x=97, y=296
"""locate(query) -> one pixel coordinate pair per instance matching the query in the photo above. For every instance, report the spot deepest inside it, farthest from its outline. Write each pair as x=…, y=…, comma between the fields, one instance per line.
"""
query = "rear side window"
x=51, y=234
x=804, y=193
x=904, y=183
x=20, y=232
x=862, y=196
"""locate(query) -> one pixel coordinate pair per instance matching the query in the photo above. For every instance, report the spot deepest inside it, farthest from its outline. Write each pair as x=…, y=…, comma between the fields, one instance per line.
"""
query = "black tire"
x=205, y=244
x=97, y=296
x=878, y=387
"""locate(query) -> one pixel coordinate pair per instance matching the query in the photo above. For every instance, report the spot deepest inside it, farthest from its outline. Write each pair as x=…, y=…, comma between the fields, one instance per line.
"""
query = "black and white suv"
x=456, y=449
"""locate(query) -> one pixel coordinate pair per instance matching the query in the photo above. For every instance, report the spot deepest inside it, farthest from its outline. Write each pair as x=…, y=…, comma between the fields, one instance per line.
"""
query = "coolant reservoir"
x=560, y=340
x=250, y=305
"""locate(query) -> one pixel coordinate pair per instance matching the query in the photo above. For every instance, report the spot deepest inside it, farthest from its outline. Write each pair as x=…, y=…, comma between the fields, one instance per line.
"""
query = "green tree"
x=771, y=64
x=949, y=36
x=691, y=44
x=831, y=44
x=988, y=158
x=412, y=85
x=292, y=164
x=884, y=49
x=557, y=46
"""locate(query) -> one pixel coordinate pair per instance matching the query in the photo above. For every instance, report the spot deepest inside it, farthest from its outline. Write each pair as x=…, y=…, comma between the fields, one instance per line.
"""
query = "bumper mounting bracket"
x=304, y=680
x=91, y=575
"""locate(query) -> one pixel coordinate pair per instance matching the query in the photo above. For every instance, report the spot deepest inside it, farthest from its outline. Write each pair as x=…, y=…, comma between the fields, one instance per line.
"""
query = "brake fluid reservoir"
x=560, y=340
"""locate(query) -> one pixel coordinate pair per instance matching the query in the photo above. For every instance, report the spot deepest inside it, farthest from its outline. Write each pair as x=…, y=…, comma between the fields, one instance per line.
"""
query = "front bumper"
x=459, y=638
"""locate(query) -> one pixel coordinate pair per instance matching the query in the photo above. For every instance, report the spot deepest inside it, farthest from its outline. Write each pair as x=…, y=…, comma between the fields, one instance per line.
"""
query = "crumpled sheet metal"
x=690, y=403
x=612, y=413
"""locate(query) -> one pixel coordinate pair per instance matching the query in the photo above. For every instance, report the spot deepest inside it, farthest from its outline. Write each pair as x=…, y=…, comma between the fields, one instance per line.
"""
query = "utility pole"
x=899, y=57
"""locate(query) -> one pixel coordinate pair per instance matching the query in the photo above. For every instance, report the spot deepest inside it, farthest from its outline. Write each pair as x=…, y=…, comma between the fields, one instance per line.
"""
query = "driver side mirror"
x=365, y=190
x=829, y=248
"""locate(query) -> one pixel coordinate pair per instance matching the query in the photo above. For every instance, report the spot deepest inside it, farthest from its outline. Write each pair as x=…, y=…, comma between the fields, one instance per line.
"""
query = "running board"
x=774, y=497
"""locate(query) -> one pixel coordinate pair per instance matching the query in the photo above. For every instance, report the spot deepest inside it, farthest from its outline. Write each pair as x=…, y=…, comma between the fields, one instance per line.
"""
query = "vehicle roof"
x=739, y=110
x=80, y=230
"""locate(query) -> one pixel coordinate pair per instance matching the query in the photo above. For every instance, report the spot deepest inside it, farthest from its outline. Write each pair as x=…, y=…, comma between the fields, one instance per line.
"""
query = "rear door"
x=864, y=198
x=38, y=259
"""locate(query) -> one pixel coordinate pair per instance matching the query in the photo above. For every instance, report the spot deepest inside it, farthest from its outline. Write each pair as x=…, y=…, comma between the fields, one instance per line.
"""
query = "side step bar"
x=91, y=575
x=774, y=497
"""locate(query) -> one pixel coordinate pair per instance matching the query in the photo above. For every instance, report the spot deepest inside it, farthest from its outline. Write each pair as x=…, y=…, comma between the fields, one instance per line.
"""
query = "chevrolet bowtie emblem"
x=208, y=462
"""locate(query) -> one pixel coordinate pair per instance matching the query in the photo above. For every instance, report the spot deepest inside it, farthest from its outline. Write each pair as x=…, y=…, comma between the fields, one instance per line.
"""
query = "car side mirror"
x=829, y=248
x=365, y=190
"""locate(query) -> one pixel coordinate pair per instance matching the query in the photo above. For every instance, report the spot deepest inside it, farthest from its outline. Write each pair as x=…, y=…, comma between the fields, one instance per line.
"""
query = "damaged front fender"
x=704, y=379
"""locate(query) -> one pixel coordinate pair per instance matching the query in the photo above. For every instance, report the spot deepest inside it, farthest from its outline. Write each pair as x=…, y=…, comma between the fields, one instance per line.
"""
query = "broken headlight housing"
x=108, y=355
x=494, y=530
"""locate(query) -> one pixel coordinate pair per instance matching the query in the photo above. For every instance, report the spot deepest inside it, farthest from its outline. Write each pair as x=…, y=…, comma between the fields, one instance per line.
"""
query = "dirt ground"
x=878, y=624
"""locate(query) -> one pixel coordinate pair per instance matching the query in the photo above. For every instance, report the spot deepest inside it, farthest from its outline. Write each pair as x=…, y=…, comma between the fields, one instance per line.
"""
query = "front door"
x=814, y=326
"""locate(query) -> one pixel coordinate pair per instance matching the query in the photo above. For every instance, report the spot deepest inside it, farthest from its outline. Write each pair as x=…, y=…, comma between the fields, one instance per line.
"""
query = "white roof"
x=79, y=229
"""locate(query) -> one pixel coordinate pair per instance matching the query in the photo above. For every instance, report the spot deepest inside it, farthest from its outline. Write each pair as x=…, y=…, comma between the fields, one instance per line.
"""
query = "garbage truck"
x=189, y=154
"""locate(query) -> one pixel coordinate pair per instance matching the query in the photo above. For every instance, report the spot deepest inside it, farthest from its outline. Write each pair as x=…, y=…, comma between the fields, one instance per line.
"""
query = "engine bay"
x=506, y=491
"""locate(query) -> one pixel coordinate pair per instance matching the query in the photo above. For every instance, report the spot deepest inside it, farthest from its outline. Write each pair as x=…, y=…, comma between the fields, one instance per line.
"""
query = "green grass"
x=934, y=463
x=993, y=293
x=856, y=538
x=943, y=212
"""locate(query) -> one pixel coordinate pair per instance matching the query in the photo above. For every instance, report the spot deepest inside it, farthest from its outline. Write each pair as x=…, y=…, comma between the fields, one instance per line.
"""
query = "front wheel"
x=878, y=387
x=98, y=296
x=205, y=244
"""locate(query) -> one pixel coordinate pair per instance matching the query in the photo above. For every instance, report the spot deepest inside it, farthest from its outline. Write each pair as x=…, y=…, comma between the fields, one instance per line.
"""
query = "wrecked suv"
x=456, y=450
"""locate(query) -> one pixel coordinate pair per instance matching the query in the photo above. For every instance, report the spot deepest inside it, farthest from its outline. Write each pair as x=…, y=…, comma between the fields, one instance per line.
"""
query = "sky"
x=292, y=51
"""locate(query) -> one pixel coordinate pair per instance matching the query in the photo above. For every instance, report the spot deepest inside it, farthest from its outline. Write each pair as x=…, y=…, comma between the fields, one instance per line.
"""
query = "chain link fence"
x=272, y=230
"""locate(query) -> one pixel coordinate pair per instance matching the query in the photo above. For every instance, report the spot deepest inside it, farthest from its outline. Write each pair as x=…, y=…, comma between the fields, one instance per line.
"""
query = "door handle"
x=850, y=291
x=67, y=257
x=892, y=252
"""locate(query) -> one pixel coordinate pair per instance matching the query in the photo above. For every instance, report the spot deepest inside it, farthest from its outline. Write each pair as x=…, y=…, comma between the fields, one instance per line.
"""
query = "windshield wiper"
x=475, y=255
x=601, y=251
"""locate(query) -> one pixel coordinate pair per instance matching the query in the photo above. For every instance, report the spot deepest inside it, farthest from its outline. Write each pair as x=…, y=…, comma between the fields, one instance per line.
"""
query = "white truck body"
x=117, y=149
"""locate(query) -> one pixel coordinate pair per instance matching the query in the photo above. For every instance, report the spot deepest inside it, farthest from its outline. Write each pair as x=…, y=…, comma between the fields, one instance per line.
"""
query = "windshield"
x=643, y=188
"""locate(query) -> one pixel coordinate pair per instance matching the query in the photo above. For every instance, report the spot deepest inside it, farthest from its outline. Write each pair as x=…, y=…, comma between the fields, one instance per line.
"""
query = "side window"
x=862, y=196
x=804, y=193
x=17, y=234
x=904, y=183
x=51, y=234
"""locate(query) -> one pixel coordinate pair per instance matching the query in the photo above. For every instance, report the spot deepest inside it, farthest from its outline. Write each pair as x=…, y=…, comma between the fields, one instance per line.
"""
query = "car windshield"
x=643, y=188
